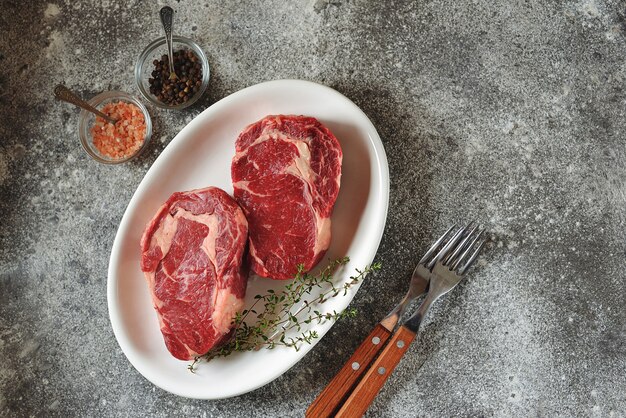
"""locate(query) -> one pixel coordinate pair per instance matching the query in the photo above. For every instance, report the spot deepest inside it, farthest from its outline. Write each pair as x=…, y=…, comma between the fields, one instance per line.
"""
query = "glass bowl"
x=154, y=51
x=86, y=121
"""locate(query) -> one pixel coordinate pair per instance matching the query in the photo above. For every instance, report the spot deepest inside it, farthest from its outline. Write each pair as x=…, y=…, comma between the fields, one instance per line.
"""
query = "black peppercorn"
x=188, y=69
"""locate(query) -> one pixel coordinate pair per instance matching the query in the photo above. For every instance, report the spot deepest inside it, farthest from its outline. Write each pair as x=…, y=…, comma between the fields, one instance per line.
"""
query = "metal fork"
x=331, y=398
x=448, y=271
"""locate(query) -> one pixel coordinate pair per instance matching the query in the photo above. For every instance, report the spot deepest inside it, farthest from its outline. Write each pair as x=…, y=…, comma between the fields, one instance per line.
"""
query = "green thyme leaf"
x=282, y=312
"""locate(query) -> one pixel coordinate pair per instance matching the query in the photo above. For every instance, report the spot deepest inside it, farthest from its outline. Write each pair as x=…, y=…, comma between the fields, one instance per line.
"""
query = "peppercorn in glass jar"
x=191, y=68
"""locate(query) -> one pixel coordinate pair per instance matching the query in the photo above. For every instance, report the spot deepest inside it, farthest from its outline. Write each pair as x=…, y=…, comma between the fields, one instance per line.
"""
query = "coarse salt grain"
x=125, y=137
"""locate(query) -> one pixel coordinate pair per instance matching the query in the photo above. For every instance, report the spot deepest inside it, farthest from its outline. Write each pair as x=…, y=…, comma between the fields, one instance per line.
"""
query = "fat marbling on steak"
x=286, y=174
x=192, y=258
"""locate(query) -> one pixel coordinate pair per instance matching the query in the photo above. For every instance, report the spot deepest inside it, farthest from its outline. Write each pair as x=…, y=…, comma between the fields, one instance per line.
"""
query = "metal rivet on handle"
x=375, y=340
x=355, y=366
x=400, y=344
x=381, y=370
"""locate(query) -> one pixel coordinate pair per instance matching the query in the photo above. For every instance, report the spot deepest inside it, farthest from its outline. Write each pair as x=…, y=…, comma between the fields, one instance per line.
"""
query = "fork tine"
x=462, y=249
x=451, y=258
x=436, y=245
x=468, y=250
x=467, y=264
x=472, y=258
x=446, y=249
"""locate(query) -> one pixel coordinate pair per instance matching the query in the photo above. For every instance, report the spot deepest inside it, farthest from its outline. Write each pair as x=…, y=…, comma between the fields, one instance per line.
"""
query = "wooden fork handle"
x=363, y=395
x=331, y=398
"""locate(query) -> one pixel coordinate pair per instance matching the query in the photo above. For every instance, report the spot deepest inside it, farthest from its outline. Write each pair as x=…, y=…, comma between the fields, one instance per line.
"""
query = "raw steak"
x=286, y=174
x=192, y=259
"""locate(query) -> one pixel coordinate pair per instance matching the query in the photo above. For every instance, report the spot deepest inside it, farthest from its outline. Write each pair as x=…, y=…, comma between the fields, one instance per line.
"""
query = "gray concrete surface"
x=511, y=113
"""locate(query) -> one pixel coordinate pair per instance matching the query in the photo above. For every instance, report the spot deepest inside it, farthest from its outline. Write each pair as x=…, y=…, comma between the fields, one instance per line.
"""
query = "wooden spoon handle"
x=330, y=399
x=365, y=392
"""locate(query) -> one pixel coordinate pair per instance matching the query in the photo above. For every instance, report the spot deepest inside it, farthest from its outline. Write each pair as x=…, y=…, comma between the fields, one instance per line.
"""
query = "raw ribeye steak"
x=191, y=255
x=286, y=174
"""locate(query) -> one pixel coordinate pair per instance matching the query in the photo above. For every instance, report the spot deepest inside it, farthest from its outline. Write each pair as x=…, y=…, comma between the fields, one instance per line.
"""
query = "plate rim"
x=380, y=165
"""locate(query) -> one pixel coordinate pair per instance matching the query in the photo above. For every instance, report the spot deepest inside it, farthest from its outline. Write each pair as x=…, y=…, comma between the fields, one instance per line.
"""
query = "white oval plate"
x=200, y=156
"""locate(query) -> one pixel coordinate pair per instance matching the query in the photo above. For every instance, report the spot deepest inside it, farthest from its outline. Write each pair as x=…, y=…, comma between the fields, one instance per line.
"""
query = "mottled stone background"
x=511, y=113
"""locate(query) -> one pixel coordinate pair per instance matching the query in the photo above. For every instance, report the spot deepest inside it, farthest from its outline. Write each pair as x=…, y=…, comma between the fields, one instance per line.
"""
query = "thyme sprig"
x=282, y=318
